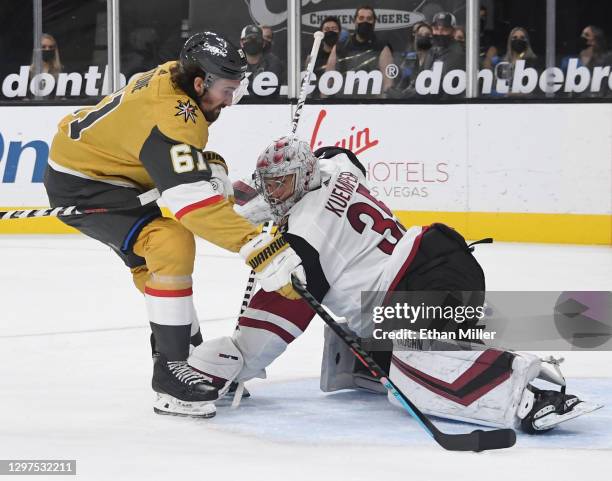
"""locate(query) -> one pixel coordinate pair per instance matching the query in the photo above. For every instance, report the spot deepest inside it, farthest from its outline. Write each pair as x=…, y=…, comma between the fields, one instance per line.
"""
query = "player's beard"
x=210, y=113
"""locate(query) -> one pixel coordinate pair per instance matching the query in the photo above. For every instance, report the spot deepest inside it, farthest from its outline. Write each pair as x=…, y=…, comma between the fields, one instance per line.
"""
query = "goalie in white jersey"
x=350, y=242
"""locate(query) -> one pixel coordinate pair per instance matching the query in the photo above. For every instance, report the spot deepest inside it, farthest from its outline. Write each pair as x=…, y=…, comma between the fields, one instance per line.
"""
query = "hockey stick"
x=318, y=37
x=250, y=286
x=140, y=200
x=477, y=440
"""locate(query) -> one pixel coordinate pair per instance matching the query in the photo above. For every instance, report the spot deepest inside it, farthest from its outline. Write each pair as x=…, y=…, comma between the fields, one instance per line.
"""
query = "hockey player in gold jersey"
x=152, y=133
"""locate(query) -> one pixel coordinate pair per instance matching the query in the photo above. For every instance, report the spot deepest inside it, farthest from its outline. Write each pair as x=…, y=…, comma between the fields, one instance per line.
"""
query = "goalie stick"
x=250, y=286
x=477, y=440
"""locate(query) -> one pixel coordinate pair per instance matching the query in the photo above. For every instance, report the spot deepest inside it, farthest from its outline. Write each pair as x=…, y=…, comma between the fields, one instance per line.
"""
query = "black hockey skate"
x=181, y=390
x=551, y=408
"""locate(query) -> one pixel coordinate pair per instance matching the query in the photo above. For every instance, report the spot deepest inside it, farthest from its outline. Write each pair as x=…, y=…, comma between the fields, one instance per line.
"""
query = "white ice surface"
x=75, y=371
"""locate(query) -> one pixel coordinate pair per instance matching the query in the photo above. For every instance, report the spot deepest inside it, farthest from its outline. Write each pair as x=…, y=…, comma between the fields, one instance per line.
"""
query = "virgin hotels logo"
x=357, y=141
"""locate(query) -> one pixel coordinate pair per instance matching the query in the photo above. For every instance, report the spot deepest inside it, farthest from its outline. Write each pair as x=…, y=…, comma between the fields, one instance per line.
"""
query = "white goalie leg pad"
x=261, y=347
x=220, y=360
x=482, y=387
x=265, y=329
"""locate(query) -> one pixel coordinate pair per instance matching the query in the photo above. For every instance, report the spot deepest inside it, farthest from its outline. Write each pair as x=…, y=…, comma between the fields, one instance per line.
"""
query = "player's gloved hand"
x=218, y=171
x=273, y=261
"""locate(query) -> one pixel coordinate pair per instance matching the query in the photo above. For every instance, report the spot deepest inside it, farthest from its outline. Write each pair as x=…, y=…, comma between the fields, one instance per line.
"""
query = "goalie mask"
x=285, y=172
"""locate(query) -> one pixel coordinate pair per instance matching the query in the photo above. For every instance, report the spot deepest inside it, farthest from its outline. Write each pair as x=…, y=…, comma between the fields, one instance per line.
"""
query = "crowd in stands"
x=435, y=43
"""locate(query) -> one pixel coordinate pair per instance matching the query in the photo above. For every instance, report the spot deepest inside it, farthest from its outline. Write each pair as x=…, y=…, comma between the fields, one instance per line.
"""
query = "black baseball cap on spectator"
x=444, y=19
x=251, y=31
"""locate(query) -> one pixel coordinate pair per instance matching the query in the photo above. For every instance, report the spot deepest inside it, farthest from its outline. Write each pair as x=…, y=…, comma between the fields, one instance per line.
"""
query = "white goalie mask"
x=285, y=172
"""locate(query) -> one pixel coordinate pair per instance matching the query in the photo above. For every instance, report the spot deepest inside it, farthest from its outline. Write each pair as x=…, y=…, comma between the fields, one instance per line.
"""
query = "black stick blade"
x=477, y=440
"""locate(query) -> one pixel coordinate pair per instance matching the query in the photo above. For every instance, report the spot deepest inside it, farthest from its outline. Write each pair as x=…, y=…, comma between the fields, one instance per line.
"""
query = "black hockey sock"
x=172, y=341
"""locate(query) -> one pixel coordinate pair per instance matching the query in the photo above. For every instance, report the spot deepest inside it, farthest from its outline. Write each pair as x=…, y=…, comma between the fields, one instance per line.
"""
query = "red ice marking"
x=169, y=292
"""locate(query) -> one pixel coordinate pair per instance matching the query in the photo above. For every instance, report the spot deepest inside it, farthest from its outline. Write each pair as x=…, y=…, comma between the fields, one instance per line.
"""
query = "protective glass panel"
x=260, y=28
x=545, y=50
x=152, y=32
x=401, y=49
x=53, y=50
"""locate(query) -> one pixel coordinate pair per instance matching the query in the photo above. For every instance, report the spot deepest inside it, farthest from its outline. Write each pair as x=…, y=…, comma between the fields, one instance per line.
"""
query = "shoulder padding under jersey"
x=329, y=152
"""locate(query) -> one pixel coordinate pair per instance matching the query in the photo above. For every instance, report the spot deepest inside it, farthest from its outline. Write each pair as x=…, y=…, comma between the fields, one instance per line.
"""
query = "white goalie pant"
x=484, y=387
x=265, y=329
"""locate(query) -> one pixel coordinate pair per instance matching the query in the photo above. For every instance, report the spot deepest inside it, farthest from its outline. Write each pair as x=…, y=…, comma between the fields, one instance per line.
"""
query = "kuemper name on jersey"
x=341, y=193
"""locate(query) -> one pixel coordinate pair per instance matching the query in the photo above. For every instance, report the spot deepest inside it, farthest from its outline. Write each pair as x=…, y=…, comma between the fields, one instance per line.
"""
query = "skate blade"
x=552, y=420
x=167, y=405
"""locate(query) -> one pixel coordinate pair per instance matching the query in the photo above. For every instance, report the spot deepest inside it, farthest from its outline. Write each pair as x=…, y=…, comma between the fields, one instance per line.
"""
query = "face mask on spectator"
x=48, y=55
x=518, y=45
x=330, y=38
x=441, y=40
x=253, y=47
x=582, y=43
x=365, y=29
x=266, y=46
x=423, y=43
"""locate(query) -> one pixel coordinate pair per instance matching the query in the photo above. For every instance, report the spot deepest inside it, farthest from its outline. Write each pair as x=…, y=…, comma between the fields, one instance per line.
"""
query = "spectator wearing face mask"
x=331, y=28
x=592, y=52
x=445, y=48
x=252, y=42
x=362, y=50
x=594, y=47
x=518, y=47
x=412, y=60
x=50, y=61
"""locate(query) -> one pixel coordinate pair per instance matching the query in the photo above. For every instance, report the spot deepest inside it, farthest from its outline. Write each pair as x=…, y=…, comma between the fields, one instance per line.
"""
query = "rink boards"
x=515, y=172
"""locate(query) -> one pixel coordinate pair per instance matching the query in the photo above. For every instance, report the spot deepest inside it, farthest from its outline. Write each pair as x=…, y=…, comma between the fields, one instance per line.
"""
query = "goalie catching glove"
x=273, y=261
